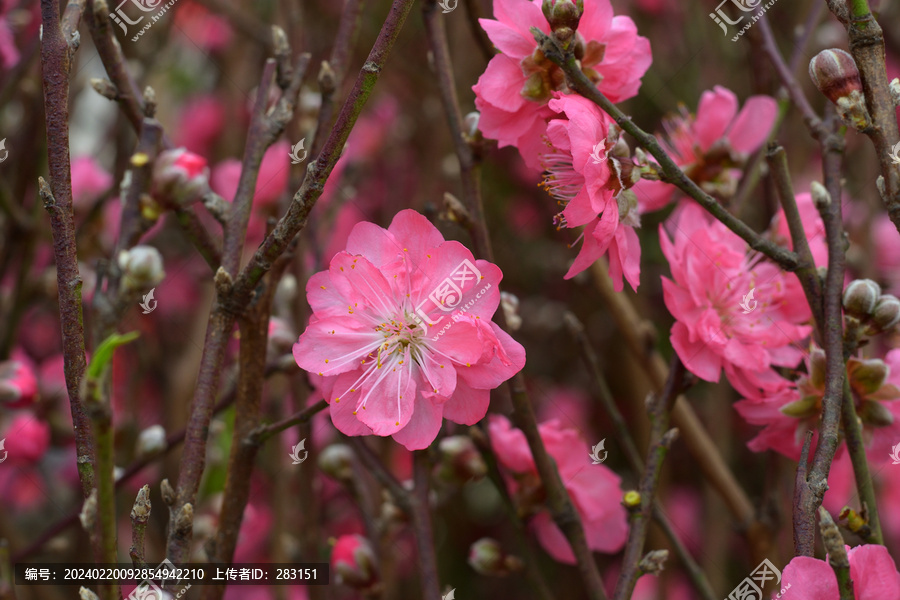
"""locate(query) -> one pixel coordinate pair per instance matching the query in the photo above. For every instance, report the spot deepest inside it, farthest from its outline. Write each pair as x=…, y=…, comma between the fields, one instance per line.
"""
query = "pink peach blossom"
x=27, y=438
x=274, y=172
x=595, y=489
x=872, y=570
x=202, y=27
x=18, y=384
x=711, y=146
x=790, y=412
x=586, y=174
x=89, y=180
x=401, y=333
x=9, y=54
x=712, y=276
x=353, y=561
x=513, y=92
x=200, y=122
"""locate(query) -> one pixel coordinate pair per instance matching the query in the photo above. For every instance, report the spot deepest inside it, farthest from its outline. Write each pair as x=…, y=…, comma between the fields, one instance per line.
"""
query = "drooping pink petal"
x=716, y=111
x=752, y=125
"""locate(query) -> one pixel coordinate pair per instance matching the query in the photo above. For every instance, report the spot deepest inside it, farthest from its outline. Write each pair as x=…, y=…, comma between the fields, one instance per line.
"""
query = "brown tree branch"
x=57, y=198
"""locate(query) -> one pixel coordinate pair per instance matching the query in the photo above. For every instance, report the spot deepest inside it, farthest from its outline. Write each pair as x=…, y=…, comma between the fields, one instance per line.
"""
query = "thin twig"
x=332, y=76
x=623, y=436
x=660, y=441
x=172, y=442
x=802, y=546
x=833, y=336
x=867, y=48
x=264, y=432
x=421, y=521
x=806, y=271
x=638, y=336
x=225, y=310
x=786, y=74
x=318, y=171
x=857, y=450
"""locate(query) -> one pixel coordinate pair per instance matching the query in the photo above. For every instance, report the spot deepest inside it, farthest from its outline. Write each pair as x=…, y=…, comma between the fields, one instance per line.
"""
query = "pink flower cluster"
x=401, y=333
x=513, y=93
x=524, y=102
x=734, y=312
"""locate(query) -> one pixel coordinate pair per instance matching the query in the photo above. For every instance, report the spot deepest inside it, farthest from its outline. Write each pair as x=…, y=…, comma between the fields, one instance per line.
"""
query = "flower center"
x=542, y=77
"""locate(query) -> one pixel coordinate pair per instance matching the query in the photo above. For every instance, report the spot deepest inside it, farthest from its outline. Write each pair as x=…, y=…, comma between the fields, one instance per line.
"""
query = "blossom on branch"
x=513, y=92
x=401, y=333
x=595, y=489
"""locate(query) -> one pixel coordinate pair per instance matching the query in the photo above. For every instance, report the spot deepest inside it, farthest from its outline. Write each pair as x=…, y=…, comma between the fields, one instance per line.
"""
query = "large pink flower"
x=711, y=146
x=586, y=173
x=709, y=296
x=401, y=333
x=513, y=92
x=872, y=570
x=595, y=489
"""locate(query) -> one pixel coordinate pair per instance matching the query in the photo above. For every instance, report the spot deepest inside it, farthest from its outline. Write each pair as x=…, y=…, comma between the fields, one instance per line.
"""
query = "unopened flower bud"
x=820, y=196
x=353, y=561
x=88, y=514
x=563, y=16
x=470, y=123
x=86, y=594
x=460, y=461
x=886, y=313
x=654, y=562
x=180, y=176
x=817, y=362
x=487, y=558
x=867, y=375
x=336, y=461
x=895, y=91
x=835, y=74
x=631, y=499
x=151, y=441
x=874, y=413
x=510, y=304
x=142, y=267
x=850, y=519
x=105, y=88
x=18, y=384
x=860, y=298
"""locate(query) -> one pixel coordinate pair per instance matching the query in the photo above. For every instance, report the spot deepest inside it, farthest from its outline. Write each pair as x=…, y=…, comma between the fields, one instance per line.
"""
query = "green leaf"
x=104, y=353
